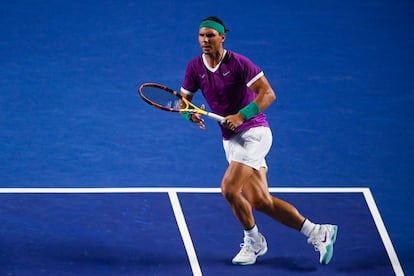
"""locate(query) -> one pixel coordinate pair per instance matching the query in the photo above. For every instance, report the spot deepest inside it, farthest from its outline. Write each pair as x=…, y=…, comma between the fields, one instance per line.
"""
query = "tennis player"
x=236, y=88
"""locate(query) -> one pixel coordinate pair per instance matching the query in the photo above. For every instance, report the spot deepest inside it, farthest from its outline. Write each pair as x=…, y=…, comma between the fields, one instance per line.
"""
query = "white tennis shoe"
x=250, y=250
x=323, y=238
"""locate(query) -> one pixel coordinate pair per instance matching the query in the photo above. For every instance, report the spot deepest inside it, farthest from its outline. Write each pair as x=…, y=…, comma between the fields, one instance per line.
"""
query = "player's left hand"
x=234, y=121
x=197, y=118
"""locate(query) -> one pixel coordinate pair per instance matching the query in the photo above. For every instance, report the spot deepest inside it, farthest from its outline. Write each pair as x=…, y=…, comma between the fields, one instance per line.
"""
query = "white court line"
x=185, y=234
x=383, y=233
x=166, y=190
x=172, y=191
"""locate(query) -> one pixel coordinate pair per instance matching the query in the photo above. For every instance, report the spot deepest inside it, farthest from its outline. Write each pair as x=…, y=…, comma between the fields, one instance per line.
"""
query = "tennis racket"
x=164, y=98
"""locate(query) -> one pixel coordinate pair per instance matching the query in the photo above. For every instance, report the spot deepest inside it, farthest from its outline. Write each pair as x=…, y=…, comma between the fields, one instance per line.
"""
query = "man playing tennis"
x=236, y=88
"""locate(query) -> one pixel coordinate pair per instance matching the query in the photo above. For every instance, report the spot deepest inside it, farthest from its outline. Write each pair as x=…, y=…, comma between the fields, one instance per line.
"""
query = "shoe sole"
x=329, y=248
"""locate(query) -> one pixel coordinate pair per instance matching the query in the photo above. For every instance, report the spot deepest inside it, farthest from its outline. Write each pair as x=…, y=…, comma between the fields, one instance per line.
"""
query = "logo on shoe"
x=326, y=238
x=257, y=252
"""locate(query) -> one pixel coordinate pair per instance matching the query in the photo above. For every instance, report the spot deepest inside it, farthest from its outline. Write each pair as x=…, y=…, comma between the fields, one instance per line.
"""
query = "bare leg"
x=245, y=188
x=257, y=192
x=231, y=188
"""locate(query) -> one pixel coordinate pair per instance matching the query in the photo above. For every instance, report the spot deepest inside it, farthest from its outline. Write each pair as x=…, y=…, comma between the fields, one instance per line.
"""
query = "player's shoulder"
x=237, y=57
x=234, y=54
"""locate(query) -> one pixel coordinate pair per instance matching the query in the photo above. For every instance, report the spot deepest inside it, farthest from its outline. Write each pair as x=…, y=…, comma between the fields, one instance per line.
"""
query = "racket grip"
x=216, y=117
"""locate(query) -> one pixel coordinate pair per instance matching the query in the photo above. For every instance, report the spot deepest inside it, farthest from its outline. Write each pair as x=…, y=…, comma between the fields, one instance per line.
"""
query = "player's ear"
x=223, y=37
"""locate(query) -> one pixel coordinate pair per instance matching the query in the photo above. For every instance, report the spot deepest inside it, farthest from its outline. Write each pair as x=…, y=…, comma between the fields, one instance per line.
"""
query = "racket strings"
x=161, y=97
x=176, y=104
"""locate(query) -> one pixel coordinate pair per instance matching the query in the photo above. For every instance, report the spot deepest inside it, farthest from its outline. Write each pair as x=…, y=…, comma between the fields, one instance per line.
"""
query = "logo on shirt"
x=202, y=75
x=226, y=73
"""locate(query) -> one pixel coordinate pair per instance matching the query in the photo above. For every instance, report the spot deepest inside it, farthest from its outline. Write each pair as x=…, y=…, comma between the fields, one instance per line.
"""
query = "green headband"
x=213, y=25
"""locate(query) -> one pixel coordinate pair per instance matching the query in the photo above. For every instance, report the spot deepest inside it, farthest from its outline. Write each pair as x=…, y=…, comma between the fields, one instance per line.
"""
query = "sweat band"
x=213, y=25
x=250, y=110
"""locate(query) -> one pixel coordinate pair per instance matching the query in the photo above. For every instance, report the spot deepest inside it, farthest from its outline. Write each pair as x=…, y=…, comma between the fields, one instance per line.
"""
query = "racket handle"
x=216, y=117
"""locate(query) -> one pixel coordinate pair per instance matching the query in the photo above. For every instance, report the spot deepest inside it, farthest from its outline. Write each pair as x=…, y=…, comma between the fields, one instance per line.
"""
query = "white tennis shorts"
x=249, y=147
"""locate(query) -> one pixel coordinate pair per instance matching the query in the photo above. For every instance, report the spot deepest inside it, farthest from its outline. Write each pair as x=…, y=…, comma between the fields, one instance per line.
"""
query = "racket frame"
x=189, y=106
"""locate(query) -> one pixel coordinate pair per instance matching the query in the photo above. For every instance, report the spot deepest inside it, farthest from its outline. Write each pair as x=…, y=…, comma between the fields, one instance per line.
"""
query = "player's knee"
x=261, y=204
x=228, y=192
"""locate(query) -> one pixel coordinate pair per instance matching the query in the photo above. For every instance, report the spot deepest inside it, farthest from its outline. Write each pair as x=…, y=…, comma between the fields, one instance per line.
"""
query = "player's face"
x=210, y=40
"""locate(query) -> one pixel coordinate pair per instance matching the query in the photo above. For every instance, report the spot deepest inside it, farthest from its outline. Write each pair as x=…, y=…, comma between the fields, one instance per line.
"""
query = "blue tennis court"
x=95, y=182
x=175, y=232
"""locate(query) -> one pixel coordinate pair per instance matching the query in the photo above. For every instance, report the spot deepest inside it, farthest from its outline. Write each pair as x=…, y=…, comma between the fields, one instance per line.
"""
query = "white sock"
x=252, y=233
x=307, y=227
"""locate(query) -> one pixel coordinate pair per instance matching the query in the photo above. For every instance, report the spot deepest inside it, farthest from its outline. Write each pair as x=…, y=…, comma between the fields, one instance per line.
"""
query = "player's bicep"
x=264, y=91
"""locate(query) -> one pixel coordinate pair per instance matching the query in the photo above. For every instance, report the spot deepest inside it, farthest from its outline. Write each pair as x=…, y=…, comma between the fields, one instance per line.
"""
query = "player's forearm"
x=265, y=98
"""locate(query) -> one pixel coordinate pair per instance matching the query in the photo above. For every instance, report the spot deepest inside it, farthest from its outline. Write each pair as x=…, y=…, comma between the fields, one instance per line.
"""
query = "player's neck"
x=214, y=59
